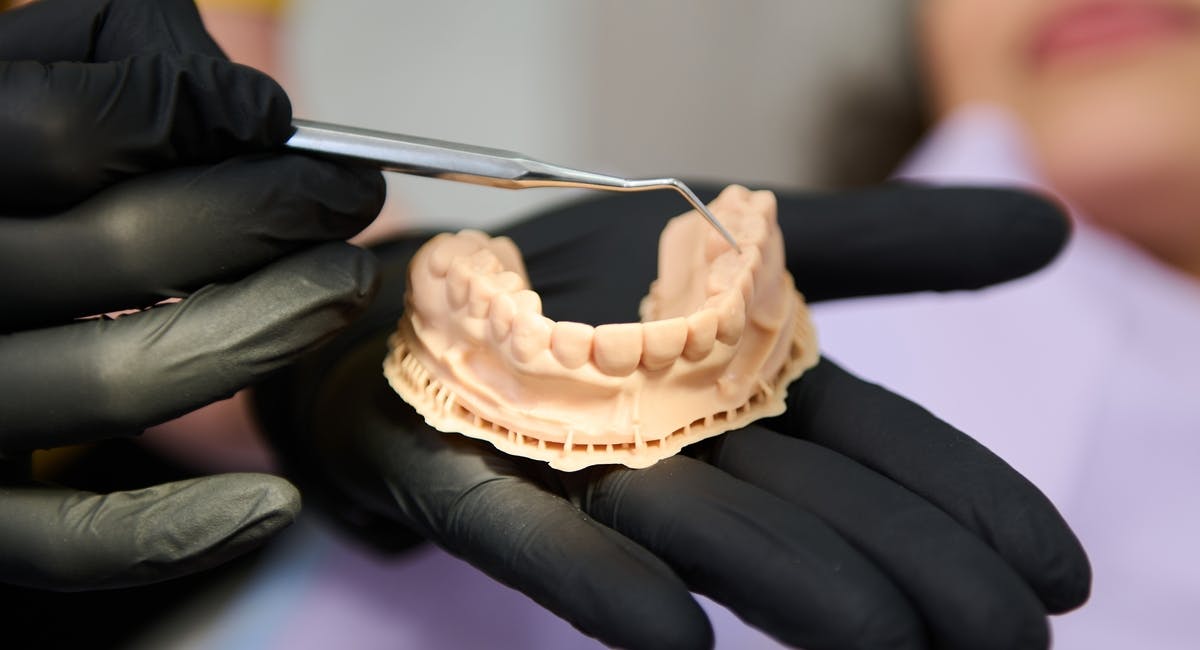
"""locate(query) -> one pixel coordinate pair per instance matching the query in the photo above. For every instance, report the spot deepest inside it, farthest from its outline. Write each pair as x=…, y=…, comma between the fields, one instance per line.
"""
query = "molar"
x=509, y=281
x=530, y=335
x=763, y=203
x=441, y=253
x=618, y=348
x=571, y=343
x=528, y=301
x=508, y=254
x=663, y=342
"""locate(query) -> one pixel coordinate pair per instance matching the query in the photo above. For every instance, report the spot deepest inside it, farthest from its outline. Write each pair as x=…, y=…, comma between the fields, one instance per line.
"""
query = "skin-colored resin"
x=721, y=337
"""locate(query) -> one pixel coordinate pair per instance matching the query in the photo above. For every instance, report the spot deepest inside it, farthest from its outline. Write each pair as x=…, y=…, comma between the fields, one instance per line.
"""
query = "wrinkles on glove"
x=57, y=538
x=118, y=376
x=904, y=442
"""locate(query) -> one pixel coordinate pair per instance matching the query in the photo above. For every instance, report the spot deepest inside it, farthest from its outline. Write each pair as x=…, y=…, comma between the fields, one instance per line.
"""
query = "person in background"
x=1095, y=359
x=959, y=569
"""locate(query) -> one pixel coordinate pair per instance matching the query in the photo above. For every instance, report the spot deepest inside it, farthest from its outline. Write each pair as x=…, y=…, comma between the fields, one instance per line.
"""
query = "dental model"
x=721, y=337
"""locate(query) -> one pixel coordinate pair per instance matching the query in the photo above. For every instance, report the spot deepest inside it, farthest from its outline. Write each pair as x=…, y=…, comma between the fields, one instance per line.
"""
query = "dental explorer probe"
x=466, y=163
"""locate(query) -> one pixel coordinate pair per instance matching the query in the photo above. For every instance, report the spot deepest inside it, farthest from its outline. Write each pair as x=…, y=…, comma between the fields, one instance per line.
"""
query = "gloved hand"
x=137, y=164
x=855, y=520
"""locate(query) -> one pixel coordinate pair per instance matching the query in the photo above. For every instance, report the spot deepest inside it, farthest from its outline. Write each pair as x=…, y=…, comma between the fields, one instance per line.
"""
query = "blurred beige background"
x=751, y=90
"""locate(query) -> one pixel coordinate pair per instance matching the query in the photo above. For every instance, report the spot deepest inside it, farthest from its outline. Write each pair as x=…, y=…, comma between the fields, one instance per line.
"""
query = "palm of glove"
x=137, y=165
x=857, y=519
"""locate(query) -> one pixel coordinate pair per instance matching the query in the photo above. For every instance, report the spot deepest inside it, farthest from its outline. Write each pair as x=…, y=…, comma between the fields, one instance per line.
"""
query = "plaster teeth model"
x=722, y=335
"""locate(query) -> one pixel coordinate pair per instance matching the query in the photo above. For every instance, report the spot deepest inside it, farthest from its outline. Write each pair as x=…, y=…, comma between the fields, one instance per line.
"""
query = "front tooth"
x=618, y=348
x=530, y=335
x=702, y=334
x=571, y=343
x=663, y=342
x=731, y=316
x=527, y=300
x=501, y=316
x=483, y=290
x=458, y=282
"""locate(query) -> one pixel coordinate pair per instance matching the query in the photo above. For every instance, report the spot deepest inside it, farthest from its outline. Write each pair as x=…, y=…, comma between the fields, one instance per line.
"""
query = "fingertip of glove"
x=1025, y=230
x=268, y=503
x=348, y=271
x=350, y=196
x=1068, y=581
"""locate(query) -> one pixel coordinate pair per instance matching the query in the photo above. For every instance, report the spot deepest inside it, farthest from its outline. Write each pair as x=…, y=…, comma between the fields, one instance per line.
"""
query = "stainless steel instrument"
x=466, y=163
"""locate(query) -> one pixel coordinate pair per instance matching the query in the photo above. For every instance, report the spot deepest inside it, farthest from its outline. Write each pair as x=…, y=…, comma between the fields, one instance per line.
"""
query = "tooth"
x=509, y=256
x=764, y=203
x=501, y=316
x=748, y=230
x=734, y=194
x=731, y=316
x=458, y=281
x=571, y=343
x=715, y=244
x=702, y=332
x=483, y=290
x=728, y=270
x=530, y=335
x=472, y=234
x=527, y=300
x=618, y=348
x=441, y=253
x=663, y=342
x=770, y=314
x=509, y=282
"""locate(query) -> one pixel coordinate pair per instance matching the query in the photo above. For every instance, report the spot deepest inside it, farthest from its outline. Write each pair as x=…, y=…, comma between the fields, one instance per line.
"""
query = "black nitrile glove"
x=855, y=520
x=137, y=164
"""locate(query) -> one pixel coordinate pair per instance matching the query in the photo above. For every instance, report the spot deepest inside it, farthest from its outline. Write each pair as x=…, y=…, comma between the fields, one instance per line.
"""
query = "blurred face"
x=1109, y=91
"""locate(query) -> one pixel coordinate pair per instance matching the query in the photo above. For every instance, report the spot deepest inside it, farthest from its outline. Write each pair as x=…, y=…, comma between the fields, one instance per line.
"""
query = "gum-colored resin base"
x=722, y=335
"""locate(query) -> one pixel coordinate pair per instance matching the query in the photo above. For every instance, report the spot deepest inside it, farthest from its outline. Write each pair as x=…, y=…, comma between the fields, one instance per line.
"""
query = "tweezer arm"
x=466, y=163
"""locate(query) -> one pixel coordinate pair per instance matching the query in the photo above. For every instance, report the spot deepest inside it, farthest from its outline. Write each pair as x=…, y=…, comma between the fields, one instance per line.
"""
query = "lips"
x=1092, y=28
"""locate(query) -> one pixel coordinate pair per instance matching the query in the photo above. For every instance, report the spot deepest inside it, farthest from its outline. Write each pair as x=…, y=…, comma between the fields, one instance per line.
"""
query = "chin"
x=1135, y=174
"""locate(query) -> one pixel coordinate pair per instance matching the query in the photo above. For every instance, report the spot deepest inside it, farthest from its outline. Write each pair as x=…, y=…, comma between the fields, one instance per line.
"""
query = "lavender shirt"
x=1085, y=377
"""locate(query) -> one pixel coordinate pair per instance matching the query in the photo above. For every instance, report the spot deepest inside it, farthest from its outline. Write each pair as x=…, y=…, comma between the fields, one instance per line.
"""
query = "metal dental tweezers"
x=470, y=164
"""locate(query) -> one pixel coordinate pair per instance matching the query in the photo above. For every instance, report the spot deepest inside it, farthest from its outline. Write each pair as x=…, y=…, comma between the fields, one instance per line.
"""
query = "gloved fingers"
x=777, y=566
x=889, y=240
x=103, y=30
x=97, y=378
x=482, y=506
x=62, y=539
x=967, y=595
x=905, y=238
x=70, y=129
x=905, y=443
x=165, y=234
